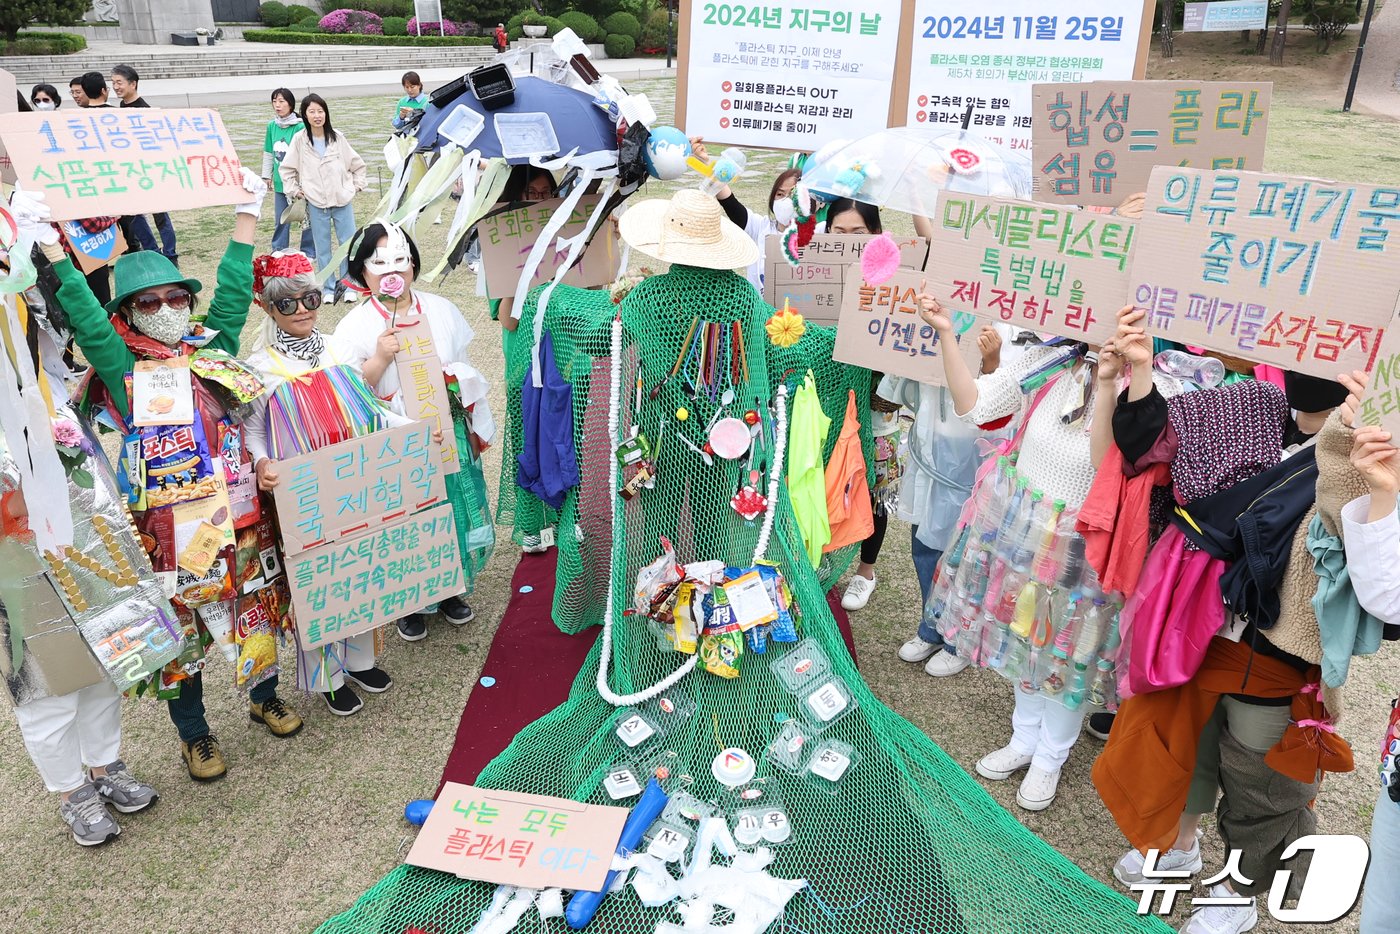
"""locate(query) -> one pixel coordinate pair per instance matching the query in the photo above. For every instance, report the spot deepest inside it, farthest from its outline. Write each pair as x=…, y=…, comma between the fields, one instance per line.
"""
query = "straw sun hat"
x=690, y=230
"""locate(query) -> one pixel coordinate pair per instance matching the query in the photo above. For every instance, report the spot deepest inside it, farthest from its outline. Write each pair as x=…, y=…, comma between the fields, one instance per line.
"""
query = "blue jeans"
x=187, y=710
x=141, y=230
x=282, y=233
x=321, y=220
x=926, y=566
x=1380, y=903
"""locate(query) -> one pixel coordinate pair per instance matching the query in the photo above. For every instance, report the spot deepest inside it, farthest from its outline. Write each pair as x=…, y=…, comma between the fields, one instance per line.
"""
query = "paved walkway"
x=1376, y=89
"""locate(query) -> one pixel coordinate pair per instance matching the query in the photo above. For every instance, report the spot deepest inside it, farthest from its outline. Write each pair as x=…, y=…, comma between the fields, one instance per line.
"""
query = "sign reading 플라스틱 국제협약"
x=814, y=286
x=1287, y=271
x=507, y=239
x=881, y=329
x=989, y=56
x=1225, y=16
x=786, y=74
x=101, y=161
x=1055, y=269
x=511, y=838
x=1097, y=143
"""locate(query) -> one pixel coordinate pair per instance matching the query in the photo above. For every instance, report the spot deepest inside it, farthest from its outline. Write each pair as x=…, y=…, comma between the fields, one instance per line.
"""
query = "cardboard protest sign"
x=988, y=58
x=510, y=838
x=8, y=104
x=1054, y=269
x=815, y=285
x=359, y=484
x=424, y=387
x=790, y=75
x=1097, y=143
x=508, y=238
x=881, y=329
x=94, y=250
x=101, y=161
x=1381, y=405
x=357, y=583
x=1287, y=271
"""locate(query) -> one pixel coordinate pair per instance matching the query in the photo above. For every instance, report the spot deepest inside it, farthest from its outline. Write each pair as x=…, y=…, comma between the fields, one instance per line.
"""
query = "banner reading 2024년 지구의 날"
x=787, y=74
x=989, y=55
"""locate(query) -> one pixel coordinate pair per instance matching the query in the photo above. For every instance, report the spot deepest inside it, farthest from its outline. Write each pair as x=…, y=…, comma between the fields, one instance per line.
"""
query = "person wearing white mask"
x=44, y=97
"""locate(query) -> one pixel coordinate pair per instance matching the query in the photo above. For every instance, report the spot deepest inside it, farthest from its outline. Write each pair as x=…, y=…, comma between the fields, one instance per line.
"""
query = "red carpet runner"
x=534, y=665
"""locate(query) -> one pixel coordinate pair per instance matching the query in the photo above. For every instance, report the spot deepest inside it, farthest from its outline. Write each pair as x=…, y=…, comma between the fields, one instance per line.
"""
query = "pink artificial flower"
x=392, y=285
x=67, y=433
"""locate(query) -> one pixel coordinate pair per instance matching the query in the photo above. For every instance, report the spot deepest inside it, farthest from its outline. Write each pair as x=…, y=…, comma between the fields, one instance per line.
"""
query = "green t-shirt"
x=276, y=142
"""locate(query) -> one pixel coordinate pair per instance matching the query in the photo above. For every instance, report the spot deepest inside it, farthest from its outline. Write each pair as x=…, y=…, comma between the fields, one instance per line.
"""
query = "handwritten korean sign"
x=509, y=838
x=1287, y=271
x=424, y=391
x=1054, y=269
x=881, y=329
x=1381, y=405
x=815, y=285
x=363, y=581
x=1097, y=143
x=100, y=161
x=94, y=250
x=507, y=239
x=356, y=485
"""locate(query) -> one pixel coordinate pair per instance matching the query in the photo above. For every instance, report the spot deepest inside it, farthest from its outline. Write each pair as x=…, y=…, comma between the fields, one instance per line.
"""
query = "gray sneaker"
x=87, y=817
x=122, y=791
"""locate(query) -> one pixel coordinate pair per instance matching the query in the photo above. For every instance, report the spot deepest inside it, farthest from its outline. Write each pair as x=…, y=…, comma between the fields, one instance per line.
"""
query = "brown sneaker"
x=281, y=720
x=203, y=759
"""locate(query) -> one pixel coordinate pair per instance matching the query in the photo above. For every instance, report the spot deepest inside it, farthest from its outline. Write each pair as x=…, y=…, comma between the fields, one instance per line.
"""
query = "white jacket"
x=326, y=181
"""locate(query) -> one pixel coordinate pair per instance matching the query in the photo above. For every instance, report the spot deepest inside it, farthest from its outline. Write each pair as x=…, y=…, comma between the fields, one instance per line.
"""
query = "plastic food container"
x=525, y=135
x=462, y=125
x=493, y=85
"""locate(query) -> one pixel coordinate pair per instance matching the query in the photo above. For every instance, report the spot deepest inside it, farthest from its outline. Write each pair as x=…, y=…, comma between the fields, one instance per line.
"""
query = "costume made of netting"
x=906, y=841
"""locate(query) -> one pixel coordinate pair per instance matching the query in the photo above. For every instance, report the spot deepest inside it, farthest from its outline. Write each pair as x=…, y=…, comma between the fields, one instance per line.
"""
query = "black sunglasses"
x=288, y=306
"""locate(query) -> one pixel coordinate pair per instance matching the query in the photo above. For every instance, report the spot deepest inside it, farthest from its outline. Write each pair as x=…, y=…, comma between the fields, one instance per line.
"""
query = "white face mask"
x=44, y=105
x=784, y=212
x=168, y=325
x=387, y=259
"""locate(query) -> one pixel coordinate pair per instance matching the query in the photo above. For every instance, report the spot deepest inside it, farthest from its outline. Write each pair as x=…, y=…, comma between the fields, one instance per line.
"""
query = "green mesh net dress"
x=908, y=842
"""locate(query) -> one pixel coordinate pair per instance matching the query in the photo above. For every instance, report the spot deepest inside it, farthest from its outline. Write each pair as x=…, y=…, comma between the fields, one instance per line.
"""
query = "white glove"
x=255, y=187
x=32, y=216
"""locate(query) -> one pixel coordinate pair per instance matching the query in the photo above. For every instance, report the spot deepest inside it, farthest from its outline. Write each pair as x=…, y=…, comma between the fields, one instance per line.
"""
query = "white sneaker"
x=1002, y=764
x=1128, y=870
x=858, y=592
x=945, y=665
x=327, y=298
x=1222, y=919
x=1037, y=791
x=916, y=650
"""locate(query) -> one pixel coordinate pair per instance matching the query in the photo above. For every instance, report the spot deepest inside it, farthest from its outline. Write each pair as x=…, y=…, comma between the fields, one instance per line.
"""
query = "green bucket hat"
x=136, y=272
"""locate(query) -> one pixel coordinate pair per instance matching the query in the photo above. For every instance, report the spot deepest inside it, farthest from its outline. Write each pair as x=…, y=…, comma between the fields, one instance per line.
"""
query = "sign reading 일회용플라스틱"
x=787, y=74
x=1097, y=143
x=1225, y=16
x=1292, y=272
x=103, y=160
x=988, y=57
x=1060, y=270
x=881, y=329
x=814, y=286
x=512, y=838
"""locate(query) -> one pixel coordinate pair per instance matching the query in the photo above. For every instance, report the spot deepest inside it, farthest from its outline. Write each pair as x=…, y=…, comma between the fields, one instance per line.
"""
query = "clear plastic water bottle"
x=1205, y=372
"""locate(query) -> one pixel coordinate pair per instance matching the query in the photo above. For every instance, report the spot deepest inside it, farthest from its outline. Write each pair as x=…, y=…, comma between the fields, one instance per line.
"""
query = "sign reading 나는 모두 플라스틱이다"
x=1097, y=143
x=881, y=329
x=102, y=160
x=1059, y=270
x=1293, y=272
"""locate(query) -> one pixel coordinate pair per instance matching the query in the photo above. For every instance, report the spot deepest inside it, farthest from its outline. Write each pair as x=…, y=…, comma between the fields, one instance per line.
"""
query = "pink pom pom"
x=880, y=261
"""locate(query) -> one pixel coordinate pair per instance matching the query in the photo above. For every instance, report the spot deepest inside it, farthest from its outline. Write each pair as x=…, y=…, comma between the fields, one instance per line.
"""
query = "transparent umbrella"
x=903, y=168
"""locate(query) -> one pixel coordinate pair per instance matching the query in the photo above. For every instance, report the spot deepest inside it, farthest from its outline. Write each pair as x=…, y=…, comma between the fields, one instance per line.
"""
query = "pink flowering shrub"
x=444, y=28
x=359, y=22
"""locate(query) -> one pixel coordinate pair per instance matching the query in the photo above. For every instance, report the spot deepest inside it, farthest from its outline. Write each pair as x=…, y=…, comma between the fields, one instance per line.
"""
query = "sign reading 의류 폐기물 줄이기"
x=1059, y=270
x=367, y=532
x=881, y=329
x=989, y=56
x=814, y=286
x=787, y=74
x=103, y=160
x=1293, y=272
x=1097, y=143
x=1225, y=16
x=511, y=838
x=507, y=239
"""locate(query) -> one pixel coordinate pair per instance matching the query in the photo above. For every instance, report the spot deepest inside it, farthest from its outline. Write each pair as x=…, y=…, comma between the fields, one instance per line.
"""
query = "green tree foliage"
x=623, y=23
x=1329, y=19
x=17, y=14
